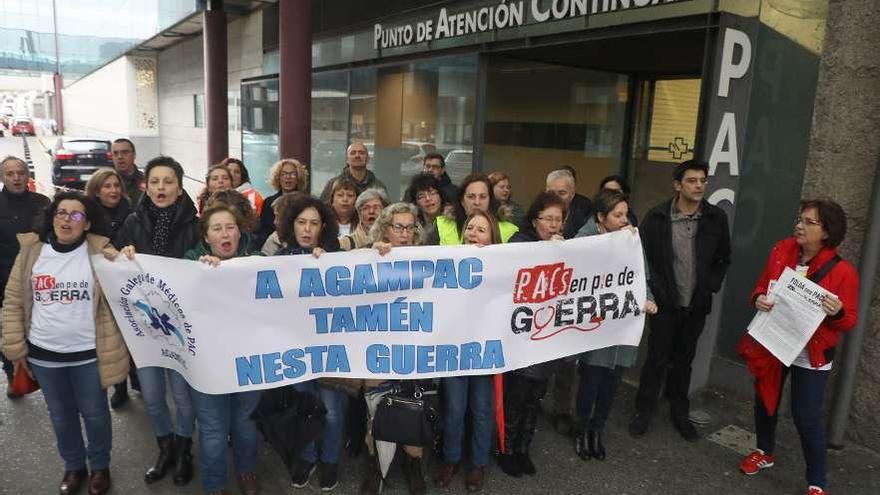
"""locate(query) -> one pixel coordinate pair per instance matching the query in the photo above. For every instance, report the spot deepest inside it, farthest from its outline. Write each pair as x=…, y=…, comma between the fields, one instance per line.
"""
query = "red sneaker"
x=756, y=461
x=815, y=490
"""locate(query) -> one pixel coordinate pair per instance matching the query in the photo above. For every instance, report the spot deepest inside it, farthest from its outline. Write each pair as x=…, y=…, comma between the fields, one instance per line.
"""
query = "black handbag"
x=407, y=415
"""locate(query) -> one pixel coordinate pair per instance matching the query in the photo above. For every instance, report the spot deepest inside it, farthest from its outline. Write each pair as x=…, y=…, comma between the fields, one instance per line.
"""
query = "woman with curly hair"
x=286, y=176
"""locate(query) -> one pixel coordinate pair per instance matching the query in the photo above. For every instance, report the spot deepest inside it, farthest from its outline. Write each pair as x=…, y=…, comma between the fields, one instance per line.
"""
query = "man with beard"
x=356, y=159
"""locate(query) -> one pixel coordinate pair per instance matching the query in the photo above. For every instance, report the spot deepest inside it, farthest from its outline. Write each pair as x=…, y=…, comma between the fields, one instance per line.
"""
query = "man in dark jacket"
x=20, y=211
x=356, y=159
x=435, y=164
x=124, y=156
x=687, y=248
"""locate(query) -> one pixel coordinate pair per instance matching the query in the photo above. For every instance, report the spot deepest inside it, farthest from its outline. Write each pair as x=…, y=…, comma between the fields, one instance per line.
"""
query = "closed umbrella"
x=384, y=450
x=499, y=409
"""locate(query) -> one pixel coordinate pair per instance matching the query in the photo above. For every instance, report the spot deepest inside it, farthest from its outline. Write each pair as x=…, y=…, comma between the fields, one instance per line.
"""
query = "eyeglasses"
x=549, y=219
x=426, y=194
x=808, y=222
x=288, y=175
x=73, y=216
x=400, y=228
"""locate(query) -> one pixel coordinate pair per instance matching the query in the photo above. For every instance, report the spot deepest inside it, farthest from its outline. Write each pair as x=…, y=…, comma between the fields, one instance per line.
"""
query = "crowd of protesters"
x=75, y=351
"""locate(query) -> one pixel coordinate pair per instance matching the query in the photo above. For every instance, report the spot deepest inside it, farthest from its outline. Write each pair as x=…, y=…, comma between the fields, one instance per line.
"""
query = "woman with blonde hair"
x=107, y=188
x=396, y=227
x=286, y=176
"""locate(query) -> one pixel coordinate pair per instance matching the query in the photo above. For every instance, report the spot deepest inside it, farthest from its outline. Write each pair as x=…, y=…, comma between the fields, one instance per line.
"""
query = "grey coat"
x=616, y=355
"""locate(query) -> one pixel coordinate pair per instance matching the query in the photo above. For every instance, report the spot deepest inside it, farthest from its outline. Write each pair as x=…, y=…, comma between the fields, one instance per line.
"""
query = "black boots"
x=581, y=446
x=173, y=450
x=166, y=457
x=415, y=479
x=183, y=468
x=588, y=445
x=596, y=448
x=120, y=395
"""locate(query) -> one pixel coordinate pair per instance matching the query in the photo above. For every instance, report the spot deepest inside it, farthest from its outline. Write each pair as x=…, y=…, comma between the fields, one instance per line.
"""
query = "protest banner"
x=417, y=312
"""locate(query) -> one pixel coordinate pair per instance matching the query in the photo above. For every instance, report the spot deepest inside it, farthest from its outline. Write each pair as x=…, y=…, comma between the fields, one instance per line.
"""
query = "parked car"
x=75, y=160
x=459, y=163
x=23, y=126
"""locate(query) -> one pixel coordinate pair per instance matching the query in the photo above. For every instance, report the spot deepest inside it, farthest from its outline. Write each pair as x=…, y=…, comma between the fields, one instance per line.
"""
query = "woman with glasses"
x=57, y=326
x=395, y=227
x=424, y=191
x=812, y=252
x=525, y=388
x=475, y=193
x=164, y=224
x=286, y=176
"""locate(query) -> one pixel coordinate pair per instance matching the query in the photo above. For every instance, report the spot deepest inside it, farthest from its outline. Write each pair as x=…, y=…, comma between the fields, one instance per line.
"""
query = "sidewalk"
x=660, y=462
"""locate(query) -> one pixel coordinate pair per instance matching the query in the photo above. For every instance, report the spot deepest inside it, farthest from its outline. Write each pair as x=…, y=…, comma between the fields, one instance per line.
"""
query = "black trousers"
x=672, y=344
x=598, y=387
x=522, y=401
x=7, y=367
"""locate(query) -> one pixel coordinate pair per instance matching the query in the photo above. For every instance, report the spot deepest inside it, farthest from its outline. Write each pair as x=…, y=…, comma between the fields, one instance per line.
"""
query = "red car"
x=22, y=126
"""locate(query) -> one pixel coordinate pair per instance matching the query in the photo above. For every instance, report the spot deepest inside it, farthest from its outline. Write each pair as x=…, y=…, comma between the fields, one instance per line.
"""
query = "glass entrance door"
x=665, y=133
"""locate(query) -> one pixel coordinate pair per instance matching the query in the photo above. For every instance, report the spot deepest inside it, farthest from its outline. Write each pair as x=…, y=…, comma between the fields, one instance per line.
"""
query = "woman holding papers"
x=57, y=327
x=164, y=224
x=812, y=251
x=601, y=370
x=223, y=415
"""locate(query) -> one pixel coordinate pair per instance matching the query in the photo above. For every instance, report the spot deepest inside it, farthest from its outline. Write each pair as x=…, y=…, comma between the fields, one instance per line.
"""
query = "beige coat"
x=17, y=306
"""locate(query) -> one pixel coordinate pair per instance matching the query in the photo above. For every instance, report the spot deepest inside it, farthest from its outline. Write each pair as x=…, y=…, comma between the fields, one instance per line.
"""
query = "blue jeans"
x=596, y=392
x=73, y=392
x=459, y=393
x=807, y=411
x=335, y=402
x=220, y=416
x=152, y=380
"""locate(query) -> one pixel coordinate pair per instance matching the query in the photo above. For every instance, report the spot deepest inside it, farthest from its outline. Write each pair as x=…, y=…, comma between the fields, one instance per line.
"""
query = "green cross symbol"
x=679, y=147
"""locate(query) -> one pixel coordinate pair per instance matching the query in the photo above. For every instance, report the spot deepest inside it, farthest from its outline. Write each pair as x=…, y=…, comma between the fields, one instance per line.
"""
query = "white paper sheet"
x=796, y=314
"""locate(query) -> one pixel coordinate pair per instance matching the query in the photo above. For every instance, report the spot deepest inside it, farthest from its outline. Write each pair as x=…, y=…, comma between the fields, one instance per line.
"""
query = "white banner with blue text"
x=417, y=312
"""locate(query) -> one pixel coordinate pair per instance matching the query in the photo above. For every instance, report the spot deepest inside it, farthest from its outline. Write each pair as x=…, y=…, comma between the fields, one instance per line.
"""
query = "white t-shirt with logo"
x=63, y=316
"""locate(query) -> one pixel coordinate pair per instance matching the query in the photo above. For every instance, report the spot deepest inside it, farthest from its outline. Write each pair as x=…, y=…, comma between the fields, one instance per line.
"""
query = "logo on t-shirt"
x=49, y=291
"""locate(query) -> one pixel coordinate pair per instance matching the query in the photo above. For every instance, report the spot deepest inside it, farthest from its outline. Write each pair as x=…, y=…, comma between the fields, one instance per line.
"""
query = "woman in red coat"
x=812, y=251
